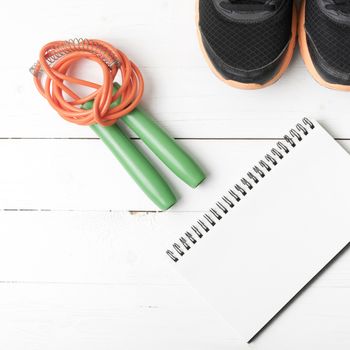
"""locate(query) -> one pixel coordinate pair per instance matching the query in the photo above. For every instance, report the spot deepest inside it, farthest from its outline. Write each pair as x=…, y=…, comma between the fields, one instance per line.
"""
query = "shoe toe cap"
x=244, y=74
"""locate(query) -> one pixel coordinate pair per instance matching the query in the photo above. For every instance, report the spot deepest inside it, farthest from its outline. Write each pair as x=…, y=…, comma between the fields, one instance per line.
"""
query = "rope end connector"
x=35, y=69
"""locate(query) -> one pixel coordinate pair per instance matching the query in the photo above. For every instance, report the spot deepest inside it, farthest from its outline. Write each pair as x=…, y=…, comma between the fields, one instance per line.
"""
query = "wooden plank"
x=38, y=317
x=181, y=92
x=98, y=247
x=81, y=247
x=194, y=105
x=63, y=174
x=101, y=278
x=109, y=317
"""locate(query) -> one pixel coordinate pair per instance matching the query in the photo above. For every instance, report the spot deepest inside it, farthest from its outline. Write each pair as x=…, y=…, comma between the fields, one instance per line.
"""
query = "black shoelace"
x=340, y=5
x=247, y=5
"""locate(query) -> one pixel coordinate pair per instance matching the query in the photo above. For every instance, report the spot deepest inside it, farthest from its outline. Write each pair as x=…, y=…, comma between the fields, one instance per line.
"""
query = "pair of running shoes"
x=250, y=43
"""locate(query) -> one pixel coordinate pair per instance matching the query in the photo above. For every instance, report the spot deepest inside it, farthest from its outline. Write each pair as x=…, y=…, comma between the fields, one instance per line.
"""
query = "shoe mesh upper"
x=246, y=46
x=331, y=39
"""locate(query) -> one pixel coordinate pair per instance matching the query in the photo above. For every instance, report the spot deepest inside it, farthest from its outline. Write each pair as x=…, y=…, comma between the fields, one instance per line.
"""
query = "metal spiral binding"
x=77, y=44
x=235, y=195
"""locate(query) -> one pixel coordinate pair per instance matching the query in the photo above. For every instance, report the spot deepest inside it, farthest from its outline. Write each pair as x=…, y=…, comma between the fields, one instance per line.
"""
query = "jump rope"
x=110, y=102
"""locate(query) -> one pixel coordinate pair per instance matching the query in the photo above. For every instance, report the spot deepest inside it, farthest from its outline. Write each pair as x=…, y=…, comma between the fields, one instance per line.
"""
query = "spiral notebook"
x=272, y=232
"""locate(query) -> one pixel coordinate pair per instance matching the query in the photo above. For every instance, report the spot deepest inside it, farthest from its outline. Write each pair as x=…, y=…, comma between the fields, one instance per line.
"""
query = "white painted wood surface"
x=85, y=270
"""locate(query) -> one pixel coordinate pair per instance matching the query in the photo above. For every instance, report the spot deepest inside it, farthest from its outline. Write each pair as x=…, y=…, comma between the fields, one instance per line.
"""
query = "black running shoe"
x=247, y=43
x=324, y=35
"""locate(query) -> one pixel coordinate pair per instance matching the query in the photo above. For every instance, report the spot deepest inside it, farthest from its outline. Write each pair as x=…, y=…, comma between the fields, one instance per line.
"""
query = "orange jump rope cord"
x=55, y=60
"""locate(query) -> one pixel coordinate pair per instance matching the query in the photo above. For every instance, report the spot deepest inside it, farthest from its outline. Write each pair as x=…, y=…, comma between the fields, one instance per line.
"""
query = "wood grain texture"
x=83, y=270
x=100, y=280
x=62, y=174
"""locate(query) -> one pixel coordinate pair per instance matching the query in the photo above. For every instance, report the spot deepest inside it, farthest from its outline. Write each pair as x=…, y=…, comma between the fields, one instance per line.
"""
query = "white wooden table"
x=83, y=270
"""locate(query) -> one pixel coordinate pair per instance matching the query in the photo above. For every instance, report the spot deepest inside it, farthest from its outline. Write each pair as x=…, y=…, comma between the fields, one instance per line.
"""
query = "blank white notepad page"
x=278, y=237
